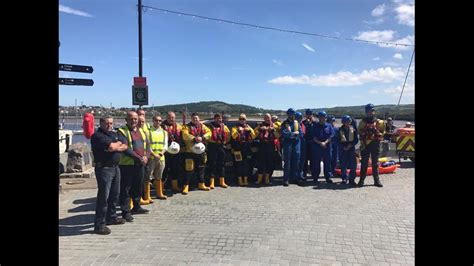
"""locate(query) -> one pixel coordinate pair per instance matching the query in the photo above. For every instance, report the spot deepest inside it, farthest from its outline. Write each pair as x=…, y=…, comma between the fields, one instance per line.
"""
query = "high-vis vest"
x=157, y=142
x=125, y=159
x=342, y=136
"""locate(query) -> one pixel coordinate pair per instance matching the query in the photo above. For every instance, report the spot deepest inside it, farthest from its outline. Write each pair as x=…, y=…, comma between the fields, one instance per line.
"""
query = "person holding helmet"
x=322, y=134
x=158, y=144
x=371, y=131
x=291, y=145
x=242, y=137
x=347, y=138
x=266, y=133
x=220, y=136
x=334, y=144
x=173, y=161
x=195, y=134
x=308, y=124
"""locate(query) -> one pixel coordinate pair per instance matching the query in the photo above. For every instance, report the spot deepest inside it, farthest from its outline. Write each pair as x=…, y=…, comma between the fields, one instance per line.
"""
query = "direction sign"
x=140, y=95
x=73, y=81
x=75, y=68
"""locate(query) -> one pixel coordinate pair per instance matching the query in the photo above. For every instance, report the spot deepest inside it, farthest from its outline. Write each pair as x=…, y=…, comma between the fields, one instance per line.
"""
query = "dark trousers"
x=265, y=158
x=324, y=154
x=216, y=159
x=108, y=184
x=130, y=186
x=373, y=150
x=334, y=155
x=199, y=167
x=242, y=168
x=173, y=167
x=306, y=160
x=348, y=161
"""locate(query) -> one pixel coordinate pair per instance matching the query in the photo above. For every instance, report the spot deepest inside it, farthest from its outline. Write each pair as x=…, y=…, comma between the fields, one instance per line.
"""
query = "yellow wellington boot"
x=146, y=190
x=174, y=185
x=131, y=204
x=149, y=192
x=202, y=186
x=222, y=182
x=159, y=190
x=259, y=179
x=185, y=190
x=211, y=182
x=246, y=183
x=241, y=183
x=267, y=179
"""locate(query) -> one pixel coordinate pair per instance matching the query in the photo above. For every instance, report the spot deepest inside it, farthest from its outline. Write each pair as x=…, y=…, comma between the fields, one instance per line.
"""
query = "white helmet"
x=199, y=148
x=173, y=148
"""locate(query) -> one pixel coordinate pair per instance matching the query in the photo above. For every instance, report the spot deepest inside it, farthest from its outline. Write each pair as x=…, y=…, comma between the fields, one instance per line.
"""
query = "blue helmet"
x=331, y=118
x=298, y=115
x=322, y=113
x=346, y=118
x=309, y=112
x=369, y=107
x=290, y=111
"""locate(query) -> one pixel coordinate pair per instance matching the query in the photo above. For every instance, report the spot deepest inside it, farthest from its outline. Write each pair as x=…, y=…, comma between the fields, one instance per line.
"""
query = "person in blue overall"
x=291, y=144
x=347, y=137
x=322, y=134
x=334, y=144
x=299, y=118
x=308, y=124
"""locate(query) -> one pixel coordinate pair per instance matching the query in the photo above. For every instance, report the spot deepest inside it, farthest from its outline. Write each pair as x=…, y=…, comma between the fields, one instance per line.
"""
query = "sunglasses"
x=156, y=120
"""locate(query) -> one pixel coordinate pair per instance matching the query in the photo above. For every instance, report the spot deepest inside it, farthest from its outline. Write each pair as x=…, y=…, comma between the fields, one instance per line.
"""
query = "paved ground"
x=292, y=225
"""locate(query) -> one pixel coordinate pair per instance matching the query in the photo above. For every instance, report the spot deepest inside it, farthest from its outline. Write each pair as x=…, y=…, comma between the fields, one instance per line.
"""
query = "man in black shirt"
x=107, y=149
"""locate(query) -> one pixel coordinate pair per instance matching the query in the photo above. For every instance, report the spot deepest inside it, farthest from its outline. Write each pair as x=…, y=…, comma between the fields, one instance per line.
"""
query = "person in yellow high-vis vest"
x=158, y=138
x=132, y=166
x=220, y=136
x=194, y=132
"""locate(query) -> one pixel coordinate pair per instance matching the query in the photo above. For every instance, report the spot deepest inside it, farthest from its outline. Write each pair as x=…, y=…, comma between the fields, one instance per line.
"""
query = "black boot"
x=377, y=182
x=361, y=182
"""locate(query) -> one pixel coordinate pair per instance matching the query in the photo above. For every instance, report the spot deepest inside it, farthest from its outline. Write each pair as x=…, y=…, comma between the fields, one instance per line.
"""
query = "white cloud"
x=406, y=14
x=69, y=10
x=408, y=91
x=398, y=56
x=386, y=36
x=376, y=58
x=378, y=11
x=277, y=62
x=308, y=47
x=356, y=96
x=376, y=36
x=410, y=39
x=206, y=78
x=343, y=78
x=373, y=91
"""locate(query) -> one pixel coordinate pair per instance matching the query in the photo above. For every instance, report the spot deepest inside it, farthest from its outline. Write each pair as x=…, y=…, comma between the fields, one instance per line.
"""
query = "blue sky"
x=189, y=59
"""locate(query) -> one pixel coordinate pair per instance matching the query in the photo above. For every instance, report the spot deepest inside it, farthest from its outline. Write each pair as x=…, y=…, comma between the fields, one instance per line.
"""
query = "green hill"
x=404, y=112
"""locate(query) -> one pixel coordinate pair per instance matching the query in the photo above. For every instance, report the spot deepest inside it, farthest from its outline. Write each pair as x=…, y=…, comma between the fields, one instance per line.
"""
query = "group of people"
x=128, y=160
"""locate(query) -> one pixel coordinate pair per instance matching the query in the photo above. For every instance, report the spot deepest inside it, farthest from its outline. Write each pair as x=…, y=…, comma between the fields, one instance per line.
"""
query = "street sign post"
x=140, y=95
x=76, y=68
x=74, y=81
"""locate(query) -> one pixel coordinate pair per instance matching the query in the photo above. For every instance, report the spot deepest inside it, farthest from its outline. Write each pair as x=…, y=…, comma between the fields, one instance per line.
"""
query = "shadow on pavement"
x=86, y=205
x=76, y=225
